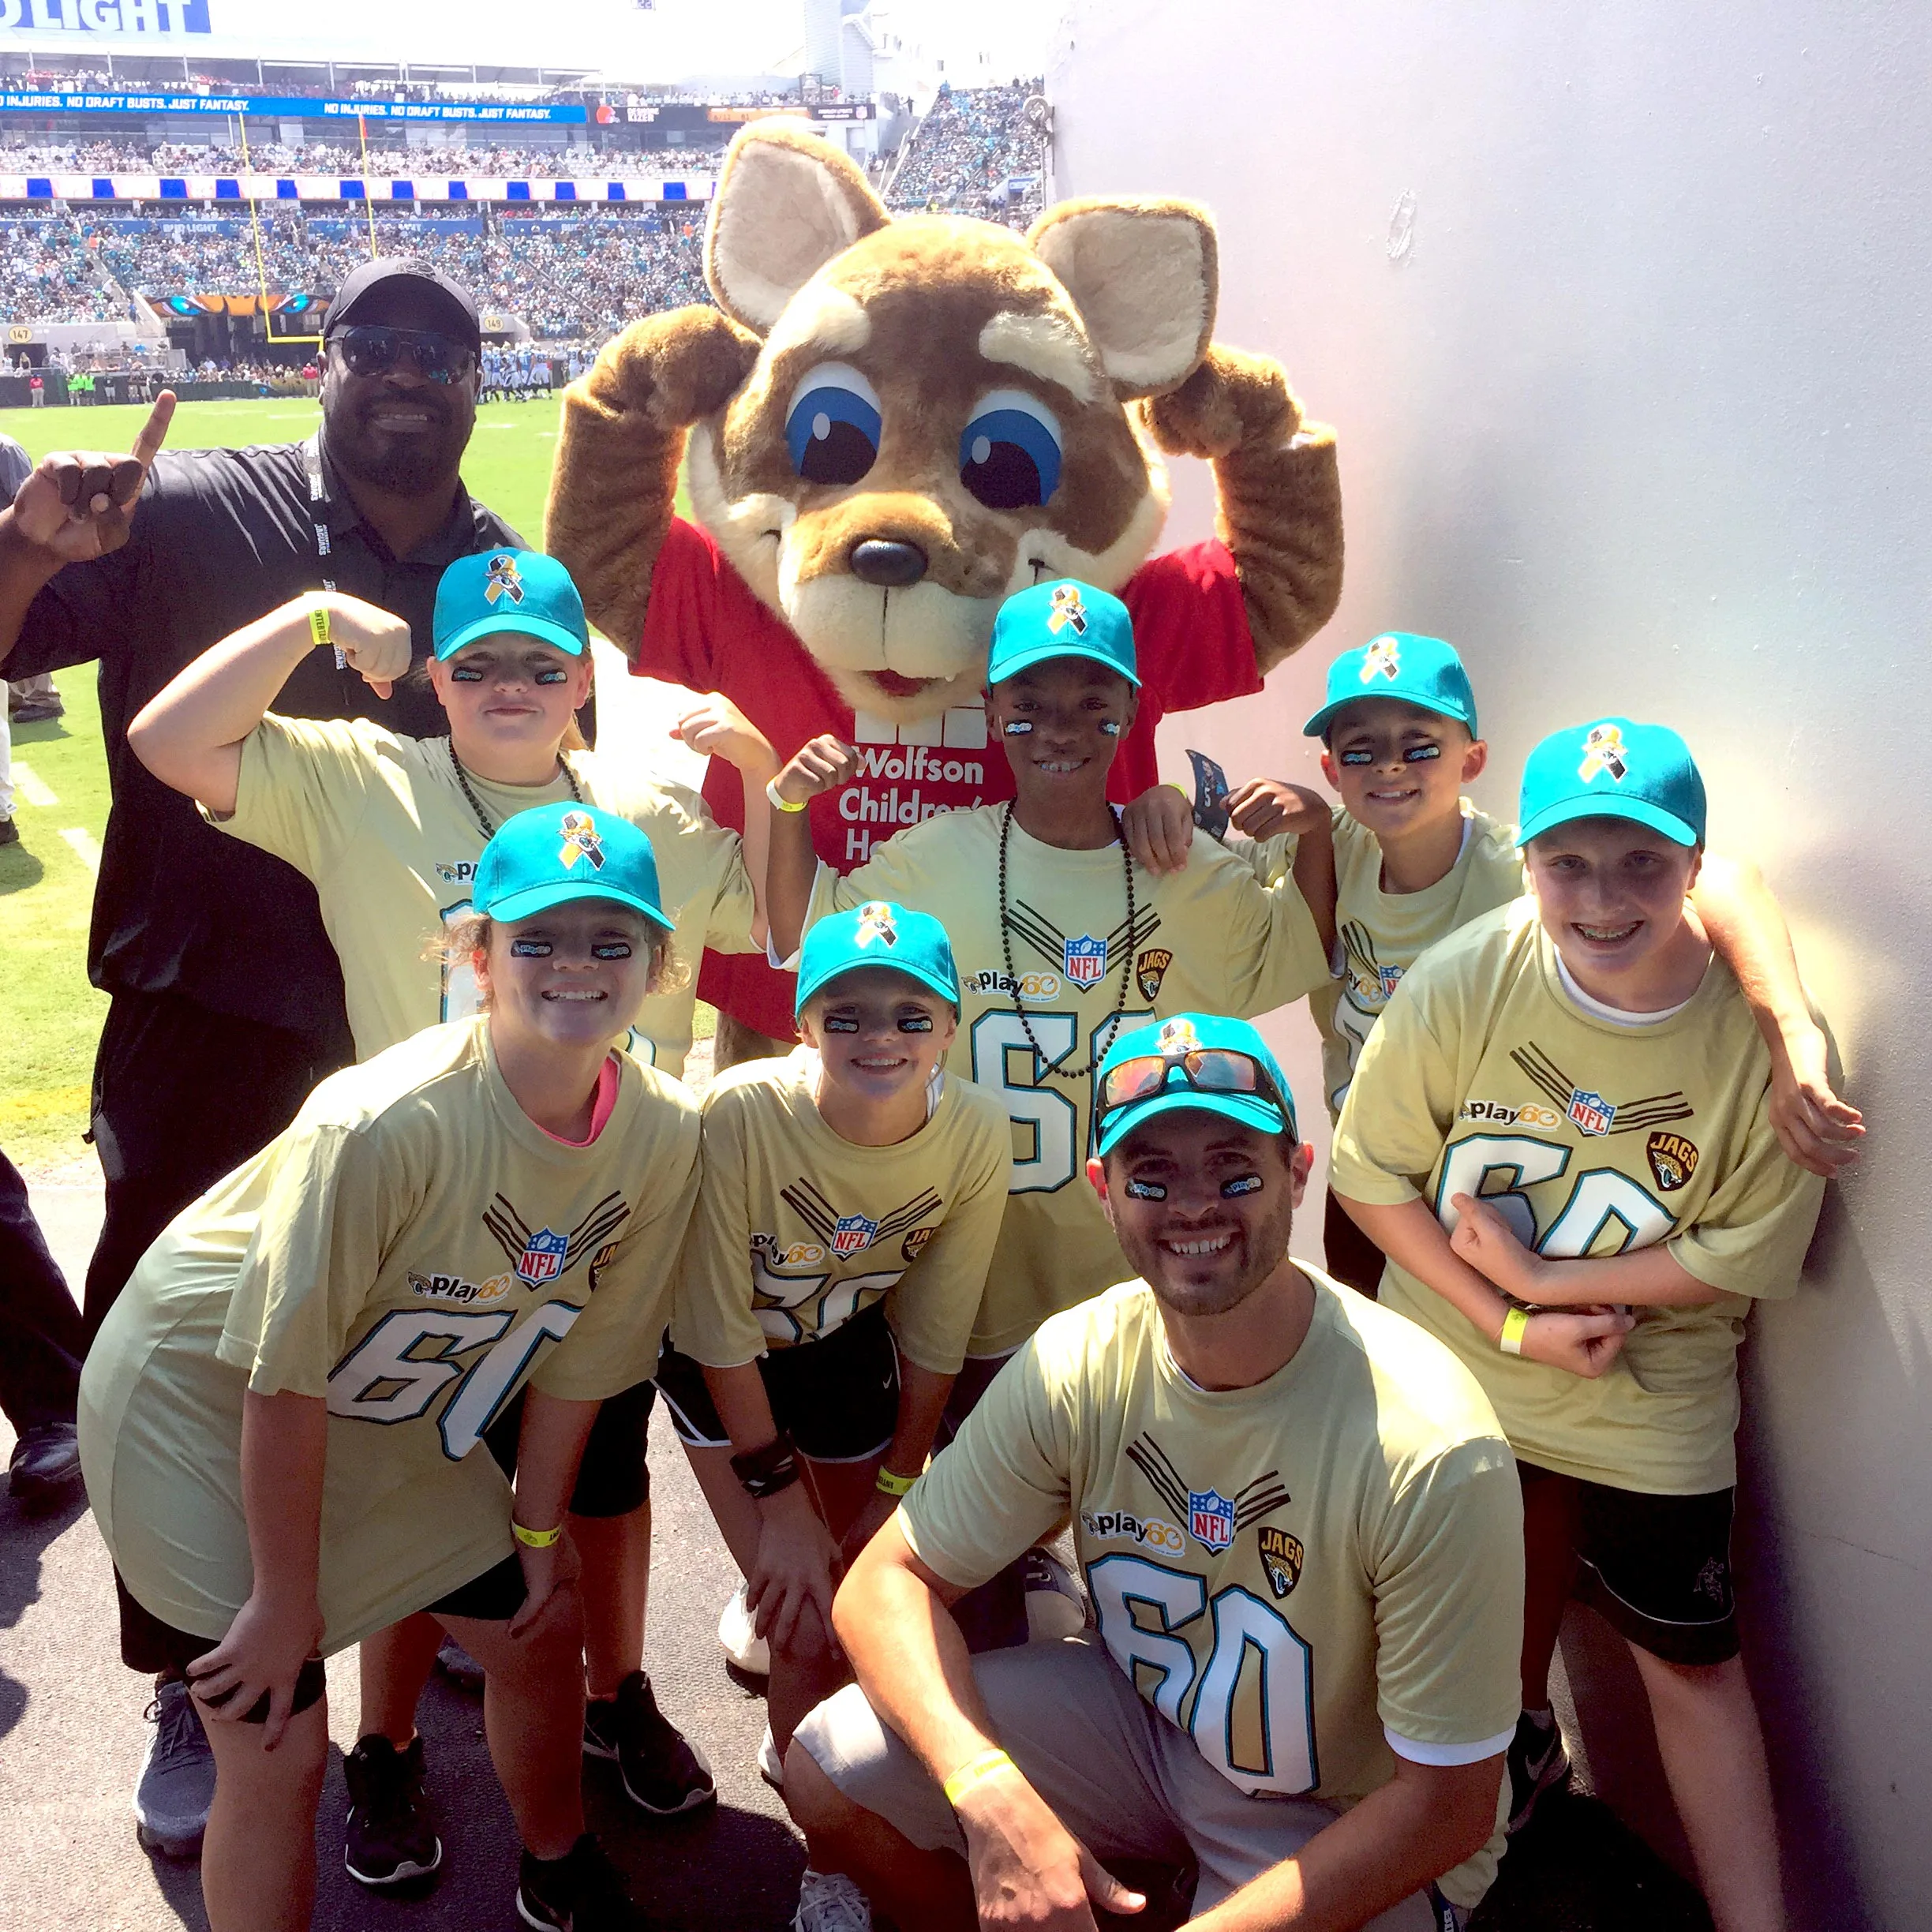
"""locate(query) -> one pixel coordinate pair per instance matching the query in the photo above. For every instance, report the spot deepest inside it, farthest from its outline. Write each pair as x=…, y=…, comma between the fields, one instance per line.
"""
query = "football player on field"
x=1564, y=1116
x=1298, y=1523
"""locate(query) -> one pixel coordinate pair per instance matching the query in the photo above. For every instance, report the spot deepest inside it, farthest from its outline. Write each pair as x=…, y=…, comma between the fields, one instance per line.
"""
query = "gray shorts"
x=1121, y=1779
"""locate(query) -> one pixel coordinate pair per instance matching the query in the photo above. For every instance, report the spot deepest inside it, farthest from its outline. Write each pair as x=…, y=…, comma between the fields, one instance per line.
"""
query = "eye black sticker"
x=531, y=949
x=1109, y=727
x=1018, y=727
x=838, y=1023
x=916, y=1022
x=611, y=949
x=1242, y=1184
x=1146, y=1190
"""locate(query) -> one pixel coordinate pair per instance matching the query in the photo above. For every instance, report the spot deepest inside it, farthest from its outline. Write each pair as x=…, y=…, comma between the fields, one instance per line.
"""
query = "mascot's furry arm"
x=626, y=422
x=1279, y=492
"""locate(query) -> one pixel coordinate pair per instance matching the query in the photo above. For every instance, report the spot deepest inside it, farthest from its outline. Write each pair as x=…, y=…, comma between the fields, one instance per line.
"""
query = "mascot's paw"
x=1232, y=398
x=678, y=368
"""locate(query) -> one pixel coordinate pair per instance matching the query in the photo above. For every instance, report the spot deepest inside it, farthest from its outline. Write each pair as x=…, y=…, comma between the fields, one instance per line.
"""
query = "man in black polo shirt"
x=227, y=999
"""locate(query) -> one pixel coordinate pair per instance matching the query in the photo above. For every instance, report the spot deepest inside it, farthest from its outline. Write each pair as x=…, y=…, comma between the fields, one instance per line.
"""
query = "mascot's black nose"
x=889, y=566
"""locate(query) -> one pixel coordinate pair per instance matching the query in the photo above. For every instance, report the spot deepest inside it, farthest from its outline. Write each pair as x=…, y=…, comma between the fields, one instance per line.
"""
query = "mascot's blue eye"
x=1010, y=453
x=833, y=430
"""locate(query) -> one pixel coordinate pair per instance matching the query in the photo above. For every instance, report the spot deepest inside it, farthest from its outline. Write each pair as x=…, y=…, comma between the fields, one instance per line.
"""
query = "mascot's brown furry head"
x=895, y=423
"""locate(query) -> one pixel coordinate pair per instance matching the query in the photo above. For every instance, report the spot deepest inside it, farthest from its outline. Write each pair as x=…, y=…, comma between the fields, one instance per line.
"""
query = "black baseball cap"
x=364, y=295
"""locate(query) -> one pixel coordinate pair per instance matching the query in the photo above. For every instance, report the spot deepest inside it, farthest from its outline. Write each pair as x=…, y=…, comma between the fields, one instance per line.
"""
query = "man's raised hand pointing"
x=79, y=504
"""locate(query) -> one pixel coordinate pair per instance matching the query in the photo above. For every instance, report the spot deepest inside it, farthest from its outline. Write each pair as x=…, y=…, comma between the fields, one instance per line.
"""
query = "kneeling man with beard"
x=1300, y=1527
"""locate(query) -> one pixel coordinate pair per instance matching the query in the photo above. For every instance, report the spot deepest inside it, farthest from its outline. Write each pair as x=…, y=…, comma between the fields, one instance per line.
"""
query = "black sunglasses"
x=373, y=348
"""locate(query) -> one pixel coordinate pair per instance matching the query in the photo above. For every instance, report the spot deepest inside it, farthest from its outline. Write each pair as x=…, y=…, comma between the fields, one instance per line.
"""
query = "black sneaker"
x=580, y=1892
x=663, y=1772
x=389, y=1838
x=1539, y=1762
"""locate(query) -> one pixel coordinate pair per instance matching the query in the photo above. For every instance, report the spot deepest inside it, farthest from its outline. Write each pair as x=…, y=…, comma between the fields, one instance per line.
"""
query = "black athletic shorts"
x=613, y=1478
x=1656, y=1568
x=838, y=1397
x=155, y=1648
x=1351, y=1257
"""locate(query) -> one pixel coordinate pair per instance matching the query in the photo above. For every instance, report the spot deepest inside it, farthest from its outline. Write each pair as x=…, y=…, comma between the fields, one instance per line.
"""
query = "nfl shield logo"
x=850, y=1233
x=1390, y=978
x=542, y=1258
x=1591, y=1111
x=1211, y=1520
x=1086, y=960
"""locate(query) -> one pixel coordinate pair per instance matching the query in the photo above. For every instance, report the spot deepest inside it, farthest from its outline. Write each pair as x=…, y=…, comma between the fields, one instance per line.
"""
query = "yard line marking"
x=85, y=846
x=31, y=785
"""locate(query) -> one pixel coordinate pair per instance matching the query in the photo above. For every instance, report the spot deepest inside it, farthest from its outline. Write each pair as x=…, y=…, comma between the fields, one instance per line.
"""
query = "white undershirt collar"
x=1615, y=1016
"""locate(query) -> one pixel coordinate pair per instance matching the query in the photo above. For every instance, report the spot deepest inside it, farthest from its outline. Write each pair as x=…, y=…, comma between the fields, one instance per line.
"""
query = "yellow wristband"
x=1510, y=1341
x=887, y=1484
x=319, y=624
x=535, y=1539
x=778, y=804
x=971, y=1773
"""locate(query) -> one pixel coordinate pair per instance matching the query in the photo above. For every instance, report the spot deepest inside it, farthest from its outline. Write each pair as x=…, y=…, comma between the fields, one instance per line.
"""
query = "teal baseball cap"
x=508, y=590
x=554, y=853
x=1421, y=670
x=1061, y=618
x=1205, y=1061
x=877, y=933
x=1613, y=769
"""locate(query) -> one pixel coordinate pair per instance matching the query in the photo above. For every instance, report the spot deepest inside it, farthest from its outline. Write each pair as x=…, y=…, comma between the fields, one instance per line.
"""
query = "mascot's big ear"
x=1145, y=275
x=787, y=202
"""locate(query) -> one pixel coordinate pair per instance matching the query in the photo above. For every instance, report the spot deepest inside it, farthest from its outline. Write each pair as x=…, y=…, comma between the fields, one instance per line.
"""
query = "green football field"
x=49, y=1016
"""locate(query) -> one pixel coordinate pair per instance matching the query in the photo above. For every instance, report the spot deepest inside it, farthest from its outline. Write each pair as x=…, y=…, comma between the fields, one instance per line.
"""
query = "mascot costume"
x=889, y=425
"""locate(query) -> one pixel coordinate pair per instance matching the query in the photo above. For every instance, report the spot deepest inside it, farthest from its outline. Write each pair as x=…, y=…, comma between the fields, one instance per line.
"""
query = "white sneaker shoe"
x=771, y=1766
x=739, y=1635
x=830, y=1902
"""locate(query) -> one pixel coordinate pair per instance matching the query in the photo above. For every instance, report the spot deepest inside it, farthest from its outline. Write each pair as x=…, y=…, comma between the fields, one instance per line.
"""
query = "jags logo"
x=876, y=926
x=1603, y=751
x=581, y=840
x=1149, y=969
x=1281, y=1556
x=914, y=1243
x=1178, y=1036
x=1383, y=659
x=502, y=580
x=1069, y=612
x=600, y=1261
x=1673, y=1159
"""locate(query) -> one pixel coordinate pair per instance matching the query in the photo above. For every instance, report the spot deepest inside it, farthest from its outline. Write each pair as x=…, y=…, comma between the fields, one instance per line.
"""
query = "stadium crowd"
x=973, y=143
x=45, y=276
x=348, y=158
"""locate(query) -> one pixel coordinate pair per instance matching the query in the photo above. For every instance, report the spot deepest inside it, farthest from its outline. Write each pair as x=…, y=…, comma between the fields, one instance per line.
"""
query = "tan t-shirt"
x=380, y=824
x=1211, y=938
x=1484, y=1077
x=414, y=1248
x=1301, y=1575
x=797, y=1230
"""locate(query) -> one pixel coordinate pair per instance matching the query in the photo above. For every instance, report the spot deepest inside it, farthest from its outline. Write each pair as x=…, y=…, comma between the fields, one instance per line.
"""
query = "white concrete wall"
x=1625, y=314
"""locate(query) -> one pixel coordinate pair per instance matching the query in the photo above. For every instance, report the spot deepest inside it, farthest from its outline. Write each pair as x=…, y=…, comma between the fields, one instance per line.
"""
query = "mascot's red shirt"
x=704, y=628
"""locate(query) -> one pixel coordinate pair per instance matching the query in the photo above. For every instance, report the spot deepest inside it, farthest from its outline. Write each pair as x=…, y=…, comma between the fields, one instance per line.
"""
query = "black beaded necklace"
x=476, y=804
x=1110, y=1027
